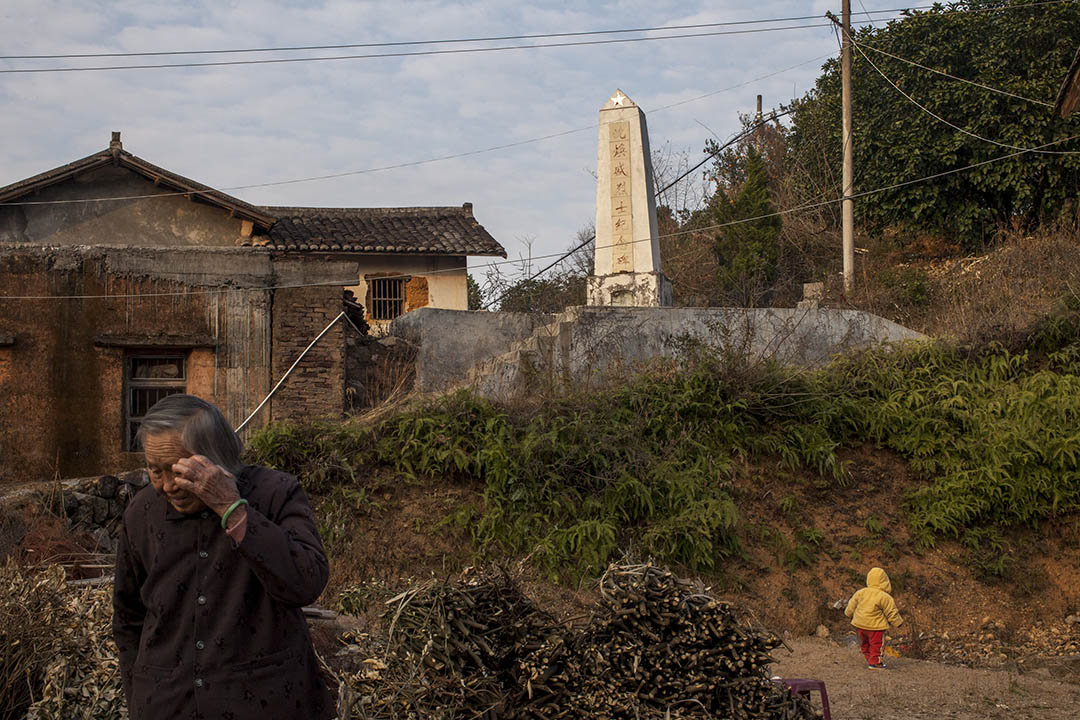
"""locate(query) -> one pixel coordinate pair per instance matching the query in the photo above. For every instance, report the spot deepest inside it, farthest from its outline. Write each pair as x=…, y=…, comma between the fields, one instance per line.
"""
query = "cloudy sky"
x=246, y=125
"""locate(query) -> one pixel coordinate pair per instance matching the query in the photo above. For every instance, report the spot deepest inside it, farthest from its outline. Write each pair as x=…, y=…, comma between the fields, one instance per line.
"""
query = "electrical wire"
x=268, y=61
x=398, y=166
x=493, y=38
x=953, y=77
x=401, y=43
x=416, y=53
x=351, y=281
x=773, y=115
x=952, y=125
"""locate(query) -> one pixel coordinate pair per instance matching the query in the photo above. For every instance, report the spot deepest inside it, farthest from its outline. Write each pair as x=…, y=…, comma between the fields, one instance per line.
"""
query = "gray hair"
x=203, y=429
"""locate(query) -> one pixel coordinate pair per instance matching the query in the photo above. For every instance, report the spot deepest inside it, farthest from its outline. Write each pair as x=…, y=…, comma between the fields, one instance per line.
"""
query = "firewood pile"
x=657, y=649
x=56, y=649
x=450, y=650
x=652, y=648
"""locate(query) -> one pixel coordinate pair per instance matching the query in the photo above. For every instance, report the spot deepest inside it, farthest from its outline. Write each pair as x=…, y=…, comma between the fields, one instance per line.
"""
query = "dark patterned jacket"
x=206, y=628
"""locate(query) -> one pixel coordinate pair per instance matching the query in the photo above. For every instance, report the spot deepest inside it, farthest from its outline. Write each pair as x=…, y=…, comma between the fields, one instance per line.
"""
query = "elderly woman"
x=214, y=563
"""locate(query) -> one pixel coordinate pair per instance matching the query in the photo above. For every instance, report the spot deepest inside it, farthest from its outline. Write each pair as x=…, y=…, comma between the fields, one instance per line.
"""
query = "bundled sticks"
x=653, y=648
x=451, y=650
x=656, y=649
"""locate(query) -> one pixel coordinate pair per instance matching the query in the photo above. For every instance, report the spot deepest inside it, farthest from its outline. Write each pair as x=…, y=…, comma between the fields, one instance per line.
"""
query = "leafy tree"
x=476, y=297
x=1019, y=46
x=550, y=294
x=747, y=249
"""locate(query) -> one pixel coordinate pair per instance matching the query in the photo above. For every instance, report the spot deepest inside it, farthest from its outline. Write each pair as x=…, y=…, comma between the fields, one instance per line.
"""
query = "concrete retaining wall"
x=450, y=342
x=495, y=351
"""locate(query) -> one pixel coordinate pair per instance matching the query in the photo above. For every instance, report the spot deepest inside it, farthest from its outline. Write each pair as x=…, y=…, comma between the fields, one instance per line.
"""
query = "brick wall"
x=317, y=386
x=61, y=364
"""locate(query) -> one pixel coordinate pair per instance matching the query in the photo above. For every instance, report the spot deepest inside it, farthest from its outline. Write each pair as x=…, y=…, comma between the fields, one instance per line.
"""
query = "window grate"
x=387, y=297
x=147, y=379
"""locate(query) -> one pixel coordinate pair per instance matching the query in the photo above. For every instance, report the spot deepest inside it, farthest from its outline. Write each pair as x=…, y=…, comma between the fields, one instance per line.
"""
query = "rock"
x=104, y=541
x=116, y=510
x=1072, y=620
x=83, y=512
x=135, y=478
x=106, y=486
x=822, y=632
x=71, y=503
x=100, y=507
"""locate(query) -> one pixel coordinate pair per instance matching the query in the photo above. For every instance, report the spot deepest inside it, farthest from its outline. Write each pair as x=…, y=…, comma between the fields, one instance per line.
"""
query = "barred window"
x=387, y=297
x=147, y=379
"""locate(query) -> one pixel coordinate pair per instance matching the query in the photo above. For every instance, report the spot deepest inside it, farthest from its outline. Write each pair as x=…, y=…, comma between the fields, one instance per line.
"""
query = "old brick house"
x=168, y=286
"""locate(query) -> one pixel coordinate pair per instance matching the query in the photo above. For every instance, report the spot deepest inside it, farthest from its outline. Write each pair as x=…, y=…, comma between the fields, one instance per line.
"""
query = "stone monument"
x=627, y=257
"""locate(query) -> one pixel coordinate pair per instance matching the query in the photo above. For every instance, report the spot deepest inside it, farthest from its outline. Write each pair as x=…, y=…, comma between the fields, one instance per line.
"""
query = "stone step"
x=540, y=357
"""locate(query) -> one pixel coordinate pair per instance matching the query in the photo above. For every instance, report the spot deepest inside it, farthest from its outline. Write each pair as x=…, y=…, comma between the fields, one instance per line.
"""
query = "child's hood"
x=878, y=580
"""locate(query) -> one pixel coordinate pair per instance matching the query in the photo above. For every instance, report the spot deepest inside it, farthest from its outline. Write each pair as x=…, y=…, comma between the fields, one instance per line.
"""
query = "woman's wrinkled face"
x=162, y=452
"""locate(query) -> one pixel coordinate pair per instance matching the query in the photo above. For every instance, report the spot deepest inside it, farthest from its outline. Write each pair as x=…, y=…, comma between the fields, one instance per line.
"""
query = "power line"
x=491, y=38
x=416, y=53
x=225, y=63
x=738, y=136
x=661, y=191
x=401, y=43
x=952, y=125
x=398, y=166
x=877, y=191
x=954, y=77
x=350, y=281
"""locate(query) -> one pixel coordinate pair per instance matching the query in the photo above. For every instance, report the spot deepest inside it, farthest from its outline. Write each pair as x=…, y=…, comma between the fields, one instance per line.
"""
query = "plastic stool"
x=805, y=686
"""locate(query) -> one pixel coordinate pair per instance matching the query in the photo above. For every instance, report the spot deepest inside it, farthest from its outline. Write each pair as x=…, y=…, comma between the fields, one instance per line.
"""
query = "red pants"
x=870, y=642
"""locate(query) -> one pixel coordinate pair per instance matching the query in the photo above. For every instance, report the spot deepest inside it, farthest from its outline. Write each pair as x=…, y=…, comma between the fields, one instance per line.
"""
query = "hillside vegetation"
x=647, y=467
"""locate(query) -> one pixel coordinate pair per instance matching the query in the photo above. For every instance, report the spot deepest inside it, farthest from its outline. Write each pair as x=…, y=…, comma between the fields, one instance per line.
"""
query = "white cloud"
x=241, y=125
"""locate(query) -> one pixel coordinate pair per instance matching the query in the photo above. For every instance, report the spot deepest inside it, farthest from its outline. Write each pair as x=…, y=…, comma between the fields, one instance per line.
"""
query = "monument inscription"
x=622, y=219
x=627, y=256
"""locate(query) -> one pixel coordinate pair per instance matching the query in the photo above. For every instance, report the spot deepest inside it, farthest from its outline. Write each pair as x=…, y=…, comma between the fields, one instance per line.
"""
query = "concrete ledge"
x=156, y=341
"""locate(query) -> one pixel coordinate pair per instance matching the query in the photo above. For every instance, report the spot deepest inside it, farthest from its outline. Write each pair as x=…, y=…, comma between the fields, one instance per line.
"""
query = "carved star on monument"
x=619, y=101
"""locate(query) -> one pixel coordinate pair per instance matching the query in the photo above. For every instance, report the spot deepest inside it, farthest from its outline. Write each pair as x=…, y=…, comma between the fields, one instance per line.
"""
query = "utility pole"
x=847, y=206
x=757, y=128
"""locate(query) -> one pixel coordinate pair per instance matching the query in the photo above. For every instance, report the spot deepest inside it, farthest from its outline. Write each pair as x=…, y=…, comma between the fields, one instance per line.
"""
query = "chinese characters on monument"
x=622, y=220
x=627, y=255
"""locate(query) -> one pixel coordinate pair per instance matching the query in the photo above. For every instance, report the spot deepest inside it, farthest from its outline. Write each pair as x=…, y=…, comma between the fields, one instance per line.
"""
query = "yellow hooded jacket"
x=872, y=608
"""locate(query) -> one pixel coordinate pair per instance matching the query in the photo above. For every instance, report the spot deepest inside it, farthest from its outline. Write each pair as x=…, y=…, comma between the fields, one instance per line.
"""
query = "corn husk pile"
x=479, y=648
x=59, y=660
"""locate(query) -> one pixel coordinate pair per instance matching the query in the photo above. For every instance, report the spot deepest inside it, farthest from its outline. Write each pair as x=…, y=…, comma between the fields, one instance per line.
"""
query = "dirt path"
x=917, y=690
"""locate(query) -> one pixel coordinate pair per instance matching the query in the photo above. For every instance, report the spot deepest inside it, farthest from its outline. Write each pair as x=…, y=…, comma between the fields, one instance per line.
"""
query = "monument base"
x=630, y=289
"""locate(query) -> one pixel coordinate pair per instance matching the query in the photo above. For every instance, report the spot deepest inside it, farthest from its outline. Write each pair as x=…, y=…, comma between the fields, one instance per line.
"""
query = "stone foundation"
x=630, y=289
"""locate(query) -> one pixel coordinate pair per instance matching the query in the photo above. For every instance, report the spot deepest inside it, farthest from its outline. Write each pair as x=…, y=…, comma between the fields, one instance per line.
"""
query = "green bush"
x=648, y=466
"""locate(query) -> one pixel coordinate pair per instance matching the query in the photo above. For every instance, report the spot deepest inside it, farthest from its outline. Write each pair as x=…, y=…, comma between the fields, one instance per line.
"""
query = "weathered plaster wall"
x=167, y=221
x=61, y=381
x=496, y=351
x=446, y=283
x=449, y=342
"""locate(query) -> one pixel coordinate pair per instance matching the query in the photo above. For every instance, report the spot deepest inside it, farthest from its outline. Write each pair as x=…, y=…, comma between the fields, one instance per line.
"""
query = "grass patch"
x=649, y=465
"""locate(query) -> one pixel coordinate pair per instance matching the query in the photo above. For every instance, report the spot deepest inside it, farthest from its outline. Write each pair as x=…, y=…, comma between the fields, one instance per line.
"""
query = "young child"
x=872, y=610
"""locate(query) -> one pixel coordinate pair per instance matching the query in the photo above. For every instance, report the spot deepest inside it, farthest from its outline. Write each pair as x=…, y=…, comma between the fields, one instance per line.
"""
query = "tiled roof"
x=167, y=179
x=420, y=230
